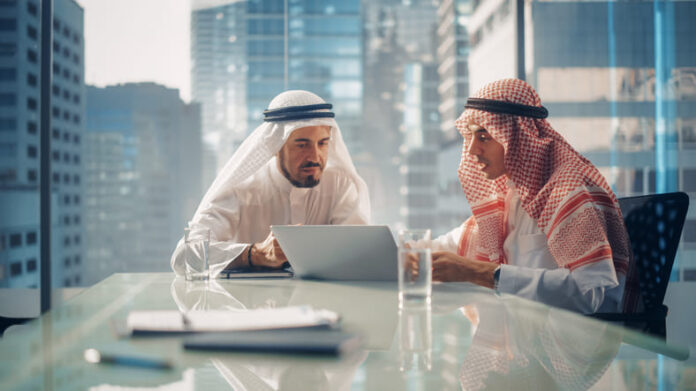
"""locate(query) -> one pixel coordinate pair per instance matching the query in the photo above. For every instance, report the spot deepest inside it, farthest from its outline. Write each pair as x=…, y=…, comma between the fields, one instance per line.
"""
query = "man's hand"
x=448, y=267
x=268, y=253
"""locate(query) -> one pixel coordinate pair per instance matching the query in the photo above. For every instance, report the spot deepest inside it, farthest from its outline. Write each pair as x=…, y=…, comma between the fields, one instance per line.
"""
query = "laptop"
x=339, y=252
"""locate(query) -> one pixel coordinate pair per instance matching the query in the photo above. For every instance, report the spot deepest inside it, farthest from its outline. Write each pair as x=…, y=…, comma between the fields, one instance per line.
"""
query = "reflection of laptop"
x=339, y=252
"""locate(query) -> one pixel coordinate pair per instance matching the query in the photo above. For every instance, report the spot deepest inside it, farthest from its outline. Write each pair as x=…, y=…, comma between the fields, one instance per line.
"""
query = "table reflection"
x=550, y=350
x=259, y=371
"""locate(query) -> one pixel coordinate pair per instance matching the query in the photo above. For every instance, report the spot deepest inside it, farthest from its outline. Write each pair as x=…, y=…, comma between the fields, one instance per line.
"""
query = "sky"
x=152, y=44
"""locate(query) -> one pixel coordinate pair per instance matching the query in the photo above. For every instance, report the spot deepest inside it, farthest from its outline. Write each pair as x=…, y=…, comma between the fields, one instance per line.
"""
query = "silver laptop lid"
x=339, y=252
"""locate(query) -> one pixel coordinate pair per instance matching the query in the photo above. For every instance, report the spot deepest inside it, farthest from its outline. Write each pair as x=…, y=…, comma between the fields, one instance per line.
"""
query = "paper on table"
x=216, y=321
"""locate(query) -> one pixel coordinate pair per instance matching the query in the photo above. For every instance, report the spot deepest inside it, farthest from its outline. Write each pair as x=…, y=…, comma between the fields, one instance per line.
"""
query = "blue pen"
x=94, y=356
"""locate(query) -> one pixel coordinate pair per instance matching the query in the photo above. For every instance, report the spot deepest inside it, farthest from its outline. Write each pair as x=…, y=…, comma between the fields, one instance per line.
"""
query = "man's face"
x=303, y=156
x=489, y=153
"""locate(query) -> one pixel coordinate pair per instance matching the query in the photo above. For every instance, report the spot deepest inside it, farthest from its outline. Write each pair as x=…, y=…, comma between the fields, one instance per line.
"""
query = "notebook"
x=304, y=341
x=339, y=252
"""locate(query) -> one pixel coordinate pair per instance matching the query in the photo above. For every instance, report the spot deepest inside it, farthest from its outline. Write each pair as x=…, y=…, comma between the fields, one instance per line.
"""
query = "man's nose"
x=474, y=147
x=313, y=153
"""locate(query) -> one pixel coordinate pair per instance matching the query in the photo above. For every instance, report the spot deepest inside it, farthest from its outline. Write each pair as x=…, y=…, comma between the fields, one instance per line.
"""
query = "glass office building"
x=142, y=176
x=20, y=60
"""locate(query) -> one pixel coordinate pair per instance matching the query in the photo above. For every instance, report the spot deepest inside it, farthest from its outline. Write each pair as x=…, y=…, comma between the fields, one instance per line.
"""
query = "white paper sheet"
x=219, y=321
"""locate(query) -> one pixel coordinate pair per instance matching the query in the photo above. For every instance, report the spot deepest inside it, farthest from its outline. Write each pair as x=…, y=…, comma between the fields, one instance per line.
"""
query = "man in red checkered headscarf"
x=545, y=223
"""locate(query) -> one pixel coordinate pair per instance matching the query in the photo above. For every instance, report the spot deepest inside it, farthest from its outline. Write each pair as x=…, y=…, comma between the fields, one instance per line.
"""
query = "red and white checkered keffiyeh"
x=560, y=189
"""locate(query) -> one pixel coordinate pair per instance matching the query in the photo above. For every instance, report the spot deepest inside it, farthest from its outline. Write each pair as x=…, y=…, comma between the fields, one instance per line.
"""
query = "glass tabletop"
x=468, y=338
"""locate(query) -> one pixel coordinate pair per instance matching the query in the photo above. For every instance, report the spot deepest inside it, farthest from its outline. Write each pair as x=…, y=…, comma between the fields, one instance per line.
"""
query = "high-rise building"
x=399, y=46
x=453, y=63
x=618, y=80
x=143, y=160
x=421, y=143
x=20, y=61
x=218, y=77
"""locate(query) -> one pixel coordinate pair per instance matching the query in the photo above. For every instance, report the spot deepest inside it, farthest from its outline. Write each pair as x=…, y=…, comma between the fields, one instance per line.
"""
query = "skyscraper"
x=20, y=32
x=218, y=77
x=143, y=161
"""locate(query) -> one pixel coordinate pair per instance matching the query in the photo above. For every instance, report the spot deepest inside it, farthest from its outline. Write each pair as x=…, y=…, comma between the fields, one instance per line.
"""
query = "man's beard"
x=310, y=181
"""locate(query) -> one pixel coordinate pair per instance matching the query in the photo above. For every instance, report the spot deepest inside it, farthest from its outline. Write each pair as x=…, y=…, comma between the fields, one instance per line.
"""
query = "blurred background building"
x=142, y=163
x=20, y=31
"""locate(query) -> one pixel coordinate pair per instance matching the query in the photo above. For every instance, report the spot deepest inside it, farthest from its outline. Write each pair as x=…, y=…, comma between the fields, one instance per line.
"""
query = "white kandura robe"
x=532, y=272
x=266, y=199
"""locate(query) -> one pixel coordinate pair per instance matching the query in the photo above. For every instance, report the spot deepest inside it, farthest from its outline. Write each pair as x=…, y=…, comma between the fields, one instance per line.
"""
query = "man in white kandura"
x=293, y=169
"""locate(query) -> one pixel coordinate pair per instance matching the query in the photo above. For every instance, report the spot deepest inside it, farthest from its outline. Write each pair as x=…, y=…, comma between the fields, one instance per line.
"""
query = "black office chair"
x=654, y=224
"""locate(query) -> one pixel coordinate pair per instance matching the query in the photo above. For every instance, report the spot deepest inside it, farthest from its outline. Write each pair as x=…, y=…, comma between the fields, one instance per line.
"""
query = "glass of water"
x=415, y=266
x=197, y=241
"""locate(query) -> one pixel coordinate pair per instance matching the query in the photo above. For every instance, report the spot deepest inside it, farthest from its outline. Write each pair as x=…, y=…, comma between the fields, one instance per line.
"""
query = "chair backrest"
x=654, y=223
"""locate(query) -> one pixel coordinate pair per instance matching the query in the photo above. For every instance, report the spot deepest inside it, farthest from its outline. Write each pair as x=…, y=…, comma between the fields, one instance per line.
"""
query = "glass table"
x=468, y=338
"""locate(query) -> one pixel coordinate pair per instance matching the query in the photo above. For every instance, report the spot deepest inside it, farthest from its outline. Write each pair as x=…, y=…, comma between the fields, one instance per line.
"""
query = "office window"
x=32, y=56
x=66, y=241
x=76, y=220
x=77, y=280
x=76, y=159
x=55, y=112
x=31, y=238
x=56, y=90
x=8, y=149
x=56, y=69
x=66, y=157
x=66, y=178
x=66, y=199
x=15, y=269
x=7, y=124
x=31, y=151
x=32, y=32
x=56, y=178
x=76, y=98
x=8, y=24
x=31, y=265
x=76, y=199
x=66, y=282
x=55, y=155
x=3, y=245
x=66, y=262
x=32, y=9
x=56, y=24
x=15, y=240
x=76, y=119
x=32, y=176
x=66, y=137
x=56, y=134
x=32, y=104
x=78, y=260
x=7, y=49
x=8, y=99
x=76, y=139
x=77, y=239
x=66, y=115
x=32, y=80
x=8, y=74
x=32, y=127
x=76, y=179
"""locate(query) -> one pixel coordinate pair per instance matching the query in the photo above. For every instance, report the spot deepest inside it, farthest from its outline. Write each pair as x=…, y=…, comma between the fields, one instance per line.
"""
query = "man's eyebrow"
x=306, y=140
